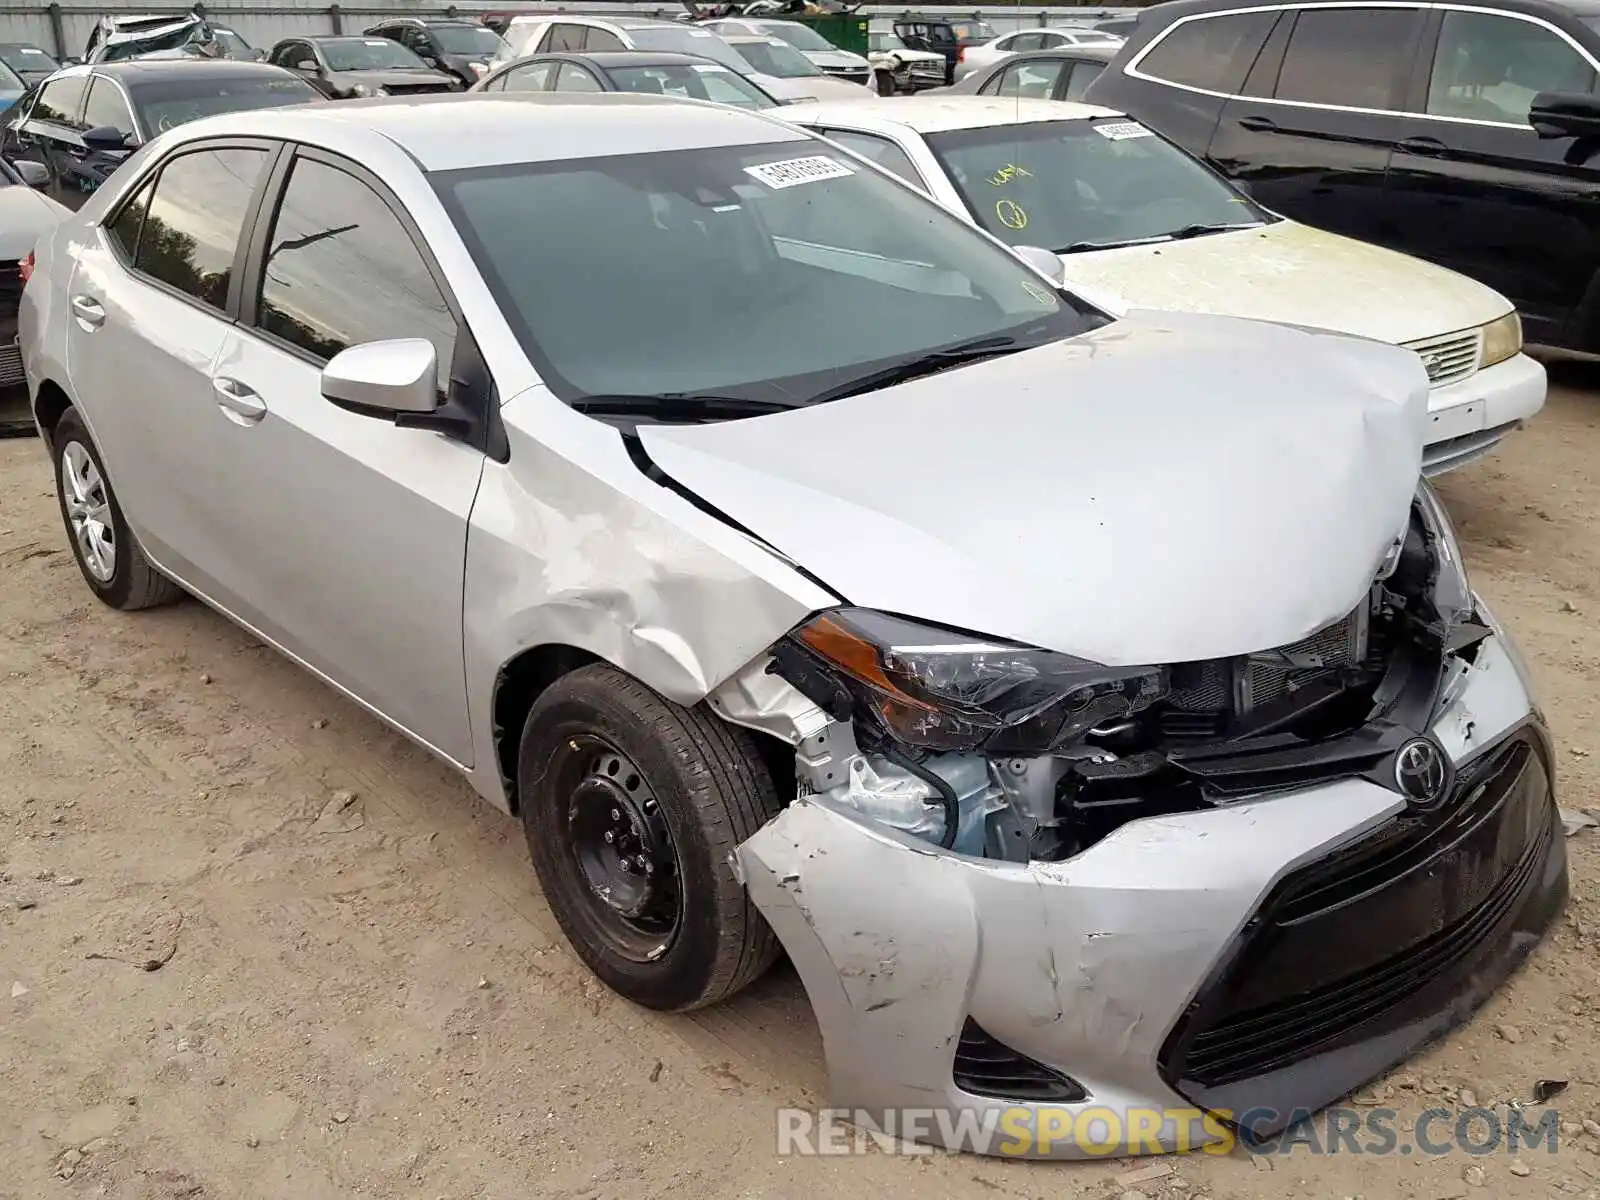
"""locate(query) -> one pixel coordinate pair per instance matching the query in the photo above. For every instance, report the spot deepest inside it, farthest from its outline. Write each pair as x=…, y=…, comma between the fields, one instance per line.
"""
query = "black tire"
x=133, y=583
x=883, y=82
x=710, y=790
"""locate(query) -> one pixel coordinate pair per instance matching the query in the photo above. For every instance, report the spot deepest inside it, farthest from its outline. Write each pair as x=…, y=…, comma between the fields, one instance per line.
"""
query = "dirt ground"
x=374, y=1001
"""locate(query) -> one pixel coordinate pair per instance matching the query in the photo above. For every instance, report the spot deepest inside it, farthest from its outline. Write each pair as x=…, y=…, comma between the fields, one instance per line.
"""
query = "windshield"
x=700, y=81
x=973, y=31
x=801, y=37
x=164, y=106
x=778, y=59
x=467, y=39
x=368, y=54
x=182, y=35
x=10, y=81
x=232, y=44
x=807, y=273
x=699, y=42
x=1080, y=185
x=27, y=58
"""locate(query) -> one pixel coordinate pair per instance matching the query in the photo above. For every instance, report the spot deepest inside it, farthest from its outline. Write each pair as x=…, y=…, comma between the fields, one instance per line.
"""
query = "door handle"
x=1258, y=124
x=1421, y=145
x=238, y=403
x=89, y=312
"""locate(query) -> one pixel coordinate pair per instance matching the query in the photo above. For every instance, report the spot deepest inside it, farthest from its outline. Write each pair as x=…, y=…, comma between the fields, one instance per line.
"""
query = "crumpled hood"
x=1164, y=489
x=24, y=215
x=1294, y=273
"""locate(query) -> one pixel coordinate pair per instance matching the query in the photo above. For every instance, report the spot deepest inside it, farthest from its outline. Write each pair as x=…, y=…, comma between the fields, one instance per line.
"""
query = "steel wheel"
x=623, y=850
x=88, y=510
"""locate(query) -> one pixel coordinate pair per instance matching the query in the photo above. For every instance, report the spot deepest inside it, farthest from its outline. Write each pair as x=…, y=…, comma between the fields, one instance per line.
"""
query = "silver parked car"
x=1095, y=710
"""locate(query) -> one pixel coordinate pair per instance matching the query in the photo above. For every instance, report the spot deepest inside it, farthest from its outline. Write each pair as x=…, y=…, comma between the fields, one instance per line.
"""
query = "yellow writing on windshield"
x=1012, y=215
x=1009, y=172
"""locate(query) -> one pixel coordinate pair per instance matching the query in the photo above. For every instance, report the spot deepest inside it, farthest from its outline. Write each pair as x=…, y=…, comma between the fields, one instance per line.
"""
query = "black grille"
x=987, y=1067
x=1381, y=938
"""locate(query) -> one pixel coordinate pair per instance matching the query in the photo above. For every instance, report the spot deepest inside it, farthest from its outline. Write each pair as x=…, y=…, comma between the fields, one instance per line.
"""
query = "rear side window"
x=563, y=36
x=335, y=245
x=192, y=228
x=601, y=39
x=1352, y=57
x=1489, y=67
x=58, y=101
x=1083, y=74
x=124, y=231
x=879, y=150
x=534, y=78
x=1211, y=53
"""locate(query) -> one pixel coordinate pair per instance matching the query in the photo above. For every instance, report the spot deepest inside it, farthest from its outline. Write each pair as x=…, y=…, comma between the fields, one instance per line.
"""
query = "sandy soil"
x=375, y=1002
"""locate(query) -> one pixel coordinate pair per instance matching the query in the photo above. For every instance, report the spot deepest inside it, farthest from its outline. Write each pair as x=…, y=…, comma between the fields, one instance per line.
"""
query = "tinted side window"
x=124, y=231
x=192, y=228
x=1347, y=56
x=1083, y=74
x=106, y=106
x=602, y=39
x=58, y=101
x=1210, y=52
x=528, y=79
x=876, y=149
x=1489, y=68
x=341, y=270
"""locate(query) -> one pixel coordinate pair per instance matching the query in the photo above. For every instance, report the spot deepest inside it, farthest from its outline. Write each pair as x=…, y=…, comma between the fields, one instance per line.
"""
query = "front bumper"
x=1113, y=968
x=1470, y=417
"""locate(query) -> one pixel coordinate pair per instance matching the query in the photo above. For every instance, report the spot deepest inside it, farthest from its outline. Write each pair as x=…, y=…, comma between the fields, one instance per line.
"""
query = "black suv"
x=1466, y=133
x=462, y=48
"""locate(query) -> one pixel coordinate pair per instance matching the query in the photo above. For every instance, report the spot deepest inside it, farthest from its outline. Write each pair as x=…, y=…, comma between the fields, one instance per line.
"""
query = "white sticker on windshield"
x=377, y=41
x=698, y=33
x=708, y=68
x=1119, y=131
x=31, y=50
x=792, y=172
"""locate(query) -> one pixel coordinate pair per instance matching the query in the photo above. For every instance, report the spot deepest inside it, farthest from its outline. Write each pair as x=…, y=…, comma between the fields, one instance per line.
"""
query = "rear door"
x=346, y=534
x=1312, y=134
x=1473, y=187
x=151, y=300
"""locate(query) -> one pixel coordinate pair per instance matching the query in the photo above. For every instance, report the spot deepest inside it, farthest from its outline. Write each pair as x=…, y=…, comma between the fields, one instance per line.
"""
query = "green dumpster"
x=846, y=31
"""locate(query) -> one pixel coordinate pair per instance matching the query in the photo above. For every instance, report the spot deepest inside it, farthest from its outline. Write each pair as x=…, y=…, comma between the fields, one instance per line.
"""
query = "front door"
x=1312, y=134
x=346, y=535
x=49, y=134
x=149, y=310
x=1479, y=191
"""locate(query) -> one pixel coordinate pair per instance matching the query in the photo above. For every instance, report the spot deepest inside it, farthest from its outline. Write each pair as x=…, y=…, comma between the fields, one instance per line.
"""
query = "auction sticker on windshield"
x=791, y=172
x=1119, y=131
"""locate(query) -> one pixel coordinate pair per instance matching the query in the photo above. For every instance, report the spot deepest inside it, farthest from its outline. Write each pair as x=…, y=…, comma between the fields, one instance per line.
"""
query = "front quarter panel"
x=571, y=545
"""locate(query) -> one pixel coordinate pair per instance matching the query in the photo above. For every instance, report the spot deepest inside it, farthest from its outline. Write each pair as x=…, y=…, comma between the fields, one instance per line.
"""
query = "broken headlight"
x=933, y=689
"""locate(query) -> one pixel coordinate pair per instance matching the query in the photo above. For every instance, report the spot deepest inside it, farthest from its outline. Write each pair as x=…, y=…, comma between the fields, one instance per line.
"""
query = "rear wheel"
x=632, y=807
x=111, y=562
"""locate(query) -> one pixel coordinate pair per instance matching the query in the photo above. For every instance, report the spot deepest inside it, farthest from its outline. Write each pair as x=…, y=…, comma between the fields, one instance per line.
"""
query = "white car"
x=828, y=58
x=1078, y=715
x=907, y=70
x=975, y=57
x=1141, y=224
x=785, y=73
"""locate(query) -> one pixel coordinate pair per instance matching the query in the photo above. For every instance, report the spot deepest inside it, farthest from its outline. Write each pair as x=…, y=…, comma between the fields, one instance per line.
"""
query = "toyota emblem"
x=1421, y=772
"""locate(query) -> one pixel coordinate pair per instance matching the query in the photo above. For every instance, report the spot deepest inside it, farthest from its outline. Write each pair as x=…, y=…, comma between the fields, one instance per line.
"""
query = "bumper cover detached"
x=1275, y=954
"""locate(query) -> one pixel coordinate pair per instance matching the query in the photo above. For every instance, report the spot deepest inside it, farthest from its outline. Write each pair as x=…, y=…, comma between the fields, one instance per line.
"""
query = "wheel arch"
x=50, y=404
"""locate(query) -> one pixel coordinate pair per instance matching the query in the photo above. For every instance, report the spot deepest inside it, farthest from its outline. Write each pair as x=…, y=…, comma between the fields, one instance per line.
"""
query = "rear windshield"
x=701, y=81
x=701, y=42
x=27, y=58
x=807, y=272
x=778, y=59
x=164, y=106
x=368, y=54
x=1081, y=185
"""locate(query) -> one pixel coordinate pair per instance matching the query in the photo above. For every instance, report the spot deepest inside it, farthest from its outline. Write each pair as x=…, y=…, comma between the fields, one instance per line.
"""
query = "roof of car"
x=1164, y=13
x=634, y=58
x=621, y=21
x=1100, y=51
x=937, y=114
x=135, y=71
x=509, y=127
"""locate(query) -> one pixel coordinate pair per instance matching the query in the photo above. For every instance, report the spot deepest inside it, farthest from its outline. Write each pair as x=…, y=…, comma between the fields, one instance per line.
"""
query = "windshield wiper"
x=677, y=406
x=922, y=364
x=1079, y=247
x=1200, y=229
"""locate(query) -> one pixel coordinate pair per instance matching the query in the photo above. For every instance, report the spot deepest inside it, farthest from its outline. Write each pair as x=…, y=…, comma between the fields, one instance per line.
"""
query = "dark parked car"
x=942, y=35
x=462, y=48
x=640, y=71
x=1063, y=74
x=1468, y=134
x=345, y=67
x=84, y=120
x=30, y=63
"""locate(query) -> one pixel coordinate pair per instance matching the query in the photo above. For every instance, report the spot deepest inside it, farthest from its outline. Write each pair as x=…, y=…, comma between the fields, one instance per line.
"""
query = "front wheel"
x=633, y=807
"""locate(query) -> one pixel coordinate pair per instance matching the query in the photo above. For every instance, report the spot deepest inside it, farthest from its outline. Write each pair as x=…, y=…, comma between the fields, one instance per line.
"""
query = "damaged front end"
x=1015, y=880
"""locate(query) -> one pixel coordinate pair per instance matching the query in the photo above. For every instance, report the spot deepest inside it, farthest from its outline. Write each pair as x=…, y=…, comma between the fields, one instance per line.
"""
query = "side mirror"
x=306, y=64
x=1046, y=261
x=34, y=174
x=105, y=137
x=1565, y=114
x=384, y=379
